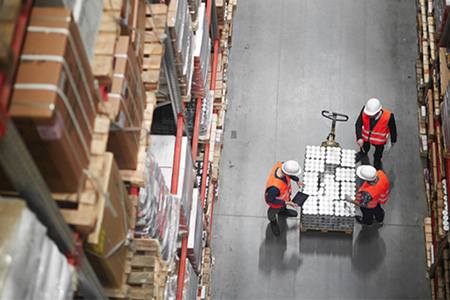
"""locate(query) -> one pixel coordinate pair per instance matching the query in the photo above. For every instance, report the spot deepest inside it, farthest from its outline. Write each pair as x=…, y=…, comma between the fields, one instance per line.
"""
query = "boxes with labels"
x=128, y=99
x=107, y=247
x=31, y=265
x=54, y=101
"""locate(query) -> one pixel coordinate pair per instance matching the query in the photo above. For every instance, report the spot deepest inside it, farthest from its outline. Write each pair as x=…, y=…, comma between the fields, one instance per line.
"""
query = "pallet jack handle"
x=334, y=116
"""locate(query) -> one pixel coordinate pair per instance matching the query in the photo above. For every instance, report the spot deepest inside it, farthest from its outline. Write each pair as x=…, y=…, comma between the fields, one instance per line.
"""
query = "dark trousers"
x=370, y=213
x=273, y=212
x=378, y=150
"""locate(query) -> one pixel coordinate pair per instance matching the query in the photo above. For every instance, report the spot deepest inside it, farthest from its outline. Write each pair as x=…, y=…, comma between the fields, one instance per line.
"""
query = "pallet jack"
x=334, y=117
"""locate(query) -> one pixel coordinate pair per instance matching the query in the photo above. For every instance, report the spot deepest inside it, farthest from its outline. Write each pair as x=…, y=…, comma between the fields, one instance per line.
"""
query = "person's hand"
x=360, y=143
x=293, y=204
x=392, y=144
x=300, y=184
x=354, y=202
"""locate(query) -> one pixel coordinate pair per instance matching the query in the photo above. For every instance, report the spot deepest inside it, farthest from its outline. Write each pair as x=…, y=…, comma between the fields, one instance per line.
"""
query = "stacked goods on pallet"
x=441, y=9
x=87, y=15
x=202, y=50
x=206, y=117
x=107, y=246
x=190, y=289
x=9, y=12
x=158, y=217
x=182, y=36
x=194, y=6
x=32, y=266
x=196, y=226
x=155, y=23
x=137, y=30
x=446, y=120
x=199, y=177
x=163, y=149
x=54, y=102
x=205, y=280
x=329, y=178
x=109, y=31
x=128, y=99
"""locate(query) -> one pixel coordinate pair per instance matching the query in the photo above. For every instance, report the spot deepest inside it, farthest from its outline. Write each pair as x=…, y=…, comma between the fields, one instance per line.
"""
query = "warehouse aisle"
x=290, y=60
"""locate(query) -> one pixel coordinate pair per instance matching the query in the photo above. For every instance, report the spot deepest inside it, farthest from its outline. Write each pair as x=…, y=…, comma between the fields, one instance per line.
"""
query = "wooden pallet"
x=428, y=239
x=155, y=22
x=323, y=230
x=109, y=32
x=87, y=205
x=137, y=177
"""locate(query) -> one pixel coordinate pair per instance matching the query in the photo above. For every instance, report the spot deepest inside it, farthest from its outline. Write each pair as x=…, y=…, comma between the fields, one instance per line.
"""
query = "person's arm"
x=358, y=129
x=392, y=129
x=271, y=196
x=299, y=182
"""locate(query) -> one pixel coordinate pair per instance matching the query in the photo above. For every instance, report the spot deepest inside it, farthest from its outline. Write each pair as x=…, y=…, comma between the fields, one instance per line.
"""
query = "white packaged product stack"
x=329, y=176
x=31, y=266
x=445, y=212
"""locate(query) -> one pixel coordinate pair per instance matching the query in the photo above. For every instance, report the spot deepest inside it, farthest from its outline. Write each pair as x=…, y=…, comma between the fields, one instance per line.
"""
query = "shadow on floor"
x=336, y=243
x=369, y=250
x=272, y=252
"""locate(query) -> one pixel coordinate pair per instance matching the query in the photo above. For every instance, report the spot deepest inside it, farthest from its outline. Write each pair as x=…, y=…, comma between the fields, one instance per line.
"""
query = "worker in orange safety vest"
x=374, y=126
x=371, y=195
x=278, y=192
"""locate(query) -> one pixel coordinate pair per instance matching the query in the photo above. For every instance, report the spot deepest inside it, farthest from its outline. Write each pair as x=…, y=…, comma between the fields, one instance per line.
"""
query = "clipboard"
x=300, y=198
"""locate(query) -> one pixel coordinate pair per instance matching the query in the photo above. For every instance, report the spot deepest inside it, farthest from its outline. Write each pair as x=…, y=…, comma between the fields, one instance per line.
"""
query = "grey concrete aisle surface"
x=291, y=59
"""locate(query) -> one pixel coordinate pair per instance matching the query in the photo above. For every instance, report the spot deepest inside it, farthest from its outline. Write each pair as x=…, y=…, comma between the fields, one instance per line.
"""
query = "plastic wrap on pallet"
x=31, y=266
x=440, y=11
x=190, y=289
x=195, y=231
x=446, y=120
x=329, y=177
x=159, y=216
x=201, y=56
x=206, y=116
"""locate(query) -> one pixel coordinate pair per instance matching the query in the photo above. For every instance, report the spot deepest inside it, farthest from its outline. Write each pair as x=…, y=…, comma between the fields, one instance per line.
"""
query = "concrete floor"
x=290, y=60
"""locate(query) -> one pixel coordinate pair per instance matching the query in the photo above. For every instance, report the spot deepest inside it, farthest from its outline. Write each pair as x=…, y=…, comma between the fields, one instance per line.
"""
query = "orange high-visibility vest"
x=285, y=189
x=379, y=191
x=380, y=133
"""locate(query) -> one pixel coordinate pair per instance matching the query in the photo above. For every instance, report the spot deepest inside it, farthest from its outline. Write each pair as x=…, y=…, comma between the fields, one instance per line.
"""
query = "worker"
x=278, y=191
x=374, y=126
x=371, y=195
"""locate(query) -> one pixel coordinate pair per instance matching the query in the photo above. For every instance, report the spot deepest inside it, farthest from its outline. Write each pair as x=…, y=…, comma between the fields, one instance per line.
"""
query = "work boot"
x=360, y=155
x=288, y=213
x=275, y=228
x=359, y=219
x=377, y=164
x=382, y=220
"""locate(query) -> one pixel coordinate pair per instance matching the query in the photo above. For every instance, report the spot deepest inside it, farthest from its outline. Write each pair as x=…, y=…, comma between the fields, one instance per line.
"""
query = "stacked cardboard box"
x=202, y=50
x=128, y=100
x=54, y=102
x=107, y=247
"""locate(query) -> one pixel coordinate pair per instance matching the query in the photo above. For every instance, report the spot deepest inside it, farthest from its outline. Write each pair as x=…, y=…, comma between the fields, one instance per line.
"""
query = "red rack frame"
x=7, y=77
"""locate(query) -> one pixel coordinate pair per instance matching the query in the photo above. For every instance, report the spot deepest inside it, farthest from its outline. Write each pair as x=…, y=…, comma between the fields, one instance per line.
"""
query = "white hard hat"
x=367, y=173
x=291, y=167
x=373, y=106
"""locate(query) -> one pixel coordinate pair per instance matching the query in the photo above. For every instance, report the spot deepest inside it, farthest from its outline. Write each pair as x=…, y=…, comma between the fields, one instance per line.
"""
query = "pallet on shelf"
x=87, y=204
x=428, y=239
x=109, y=32
x=137, y=176
x=155, y=23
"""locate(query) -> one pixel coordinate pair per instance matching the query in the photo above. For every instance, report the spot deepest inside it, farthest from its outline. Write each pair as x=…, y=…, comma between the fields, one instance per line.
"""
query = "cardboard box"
x=54, y=102
x=128, y=100
x=109, y=255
